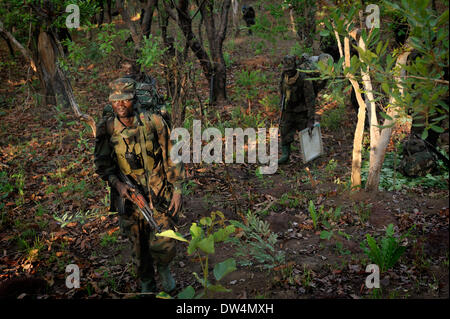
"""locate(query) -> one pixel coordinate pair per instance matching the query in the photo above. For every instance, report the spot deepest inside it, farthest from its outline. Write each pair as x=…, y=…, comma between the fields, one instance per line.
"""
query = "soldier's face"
x=289, y=63
x=123, y=108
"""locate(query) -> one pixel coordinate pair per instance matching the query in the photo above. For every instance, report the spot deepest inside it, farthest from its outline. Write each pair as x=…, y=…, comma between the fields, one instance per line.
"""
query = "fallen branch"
x=68, y=88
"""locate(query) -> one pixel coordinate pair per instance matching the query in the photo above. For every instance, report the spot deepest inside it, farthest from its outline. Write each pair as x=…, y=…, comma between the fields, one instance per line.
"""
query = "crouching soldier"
x=138, y=145
x=417, y=159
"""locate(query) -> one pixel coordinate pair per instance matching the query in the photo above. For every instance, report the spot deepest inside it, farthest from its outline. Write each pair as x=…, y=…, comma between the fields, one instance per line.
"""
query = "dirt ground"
x=54, y=157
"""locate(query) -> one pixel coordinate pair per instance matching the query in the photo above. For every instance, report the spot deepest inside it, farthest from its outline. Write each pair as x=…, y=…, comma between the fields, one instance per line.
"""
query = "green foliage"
x=19, y=178
x=363, y=210
x=248, y=81
x=5, y=188
x=428, y=35
x=332, y=119
x=257, y=245
x=108, y=239
x=203, y=243
x=322, y=216
x=107, y=36
x=298, y=49
x=391, y=179
x=387, y=252
x=151, y=52
x=188, y=187
x=270, y=102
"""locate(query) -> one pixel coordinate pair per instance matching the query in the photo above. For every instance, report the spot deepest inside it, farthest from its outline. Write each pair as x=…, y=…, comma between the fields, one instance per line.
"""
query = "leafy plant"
x=387, y=252
x=151, y=52
x=247, y=84
x=363, y=210
x=391, y=179
x=257, y=245
x=203, y=243
x=332, y=119
x=322, y=216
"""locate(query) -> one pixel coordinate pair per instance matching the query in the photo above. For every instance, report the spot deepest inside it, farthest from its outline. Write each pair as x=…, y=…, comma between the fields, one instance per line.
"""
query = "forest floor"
x=54, y=208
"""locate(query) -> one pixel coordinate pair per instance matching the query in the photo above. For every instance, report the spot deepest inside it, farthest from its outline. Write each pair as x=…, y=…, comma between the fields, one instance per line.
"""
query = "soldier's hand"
x=175, y=203
x=310, y=127
x=123, y=190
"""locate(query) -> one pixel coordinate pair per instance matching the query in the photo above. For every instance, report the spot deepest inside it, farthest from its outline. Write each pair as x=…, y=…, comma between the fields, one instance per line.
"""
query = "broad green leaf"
x=187, y=293
x=207, y=244
x=171, y=234
x=193, y=244
x=218, y=288
x=207, y=221
x=163, y=295
x=224, y=268
x=196, y=231
x=223, y=233
x=218, y=213
x=385, y=116
x=437, y=129
x=424, y=134
x=385, y=87
x=326, y=234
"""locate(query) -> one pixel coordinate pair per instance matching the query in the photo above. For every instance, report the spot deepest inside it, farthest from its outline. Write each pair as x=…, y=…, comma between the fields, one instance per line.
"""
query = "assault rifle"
x=139, y=200
x=283, y=106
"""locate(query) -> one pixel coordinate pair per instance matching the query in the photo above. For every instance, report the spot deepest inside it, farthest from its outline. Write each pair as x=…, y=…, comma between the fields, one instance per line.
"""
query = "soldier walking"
x=297, y=104
x=138, y=145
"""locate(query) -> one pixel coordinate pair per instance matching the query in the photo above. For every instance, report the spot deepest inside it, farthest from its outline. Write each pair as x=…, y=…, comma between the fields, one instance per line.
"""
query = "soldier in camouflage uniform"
x=138, y=144
x=297, y=103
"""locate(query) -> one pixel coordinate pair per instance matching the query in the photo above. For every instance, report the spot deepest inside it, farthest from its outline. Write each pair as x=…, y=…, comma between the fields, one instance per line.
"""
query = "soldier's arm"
x=105, y=166
x=174, y=172
x=281, y=90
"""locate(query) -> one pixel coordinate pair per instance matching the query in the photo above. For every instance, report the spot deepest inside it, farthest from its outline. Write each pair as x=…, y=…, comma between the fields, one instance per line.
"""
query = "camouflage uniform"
x=299, y=104
x=148, y=140
x=417, y=160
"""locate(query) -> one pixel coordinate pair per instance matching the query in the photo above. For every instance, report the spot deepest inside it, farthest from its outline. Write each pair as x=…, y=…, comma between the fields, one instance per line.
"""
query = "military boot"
x=148, y=286
x=285, y=153
x=167, y=280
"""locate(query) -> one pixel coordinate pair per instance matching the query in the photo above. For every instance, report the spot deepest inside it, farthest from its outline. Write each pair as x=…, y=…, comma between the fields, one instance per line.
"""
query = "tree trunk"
x=46, y=54
x=108, y=11
x=379, y=149
x=359, y=130
x=236, y=17
x=135, y=34
x=216, y=29
x=148, y=17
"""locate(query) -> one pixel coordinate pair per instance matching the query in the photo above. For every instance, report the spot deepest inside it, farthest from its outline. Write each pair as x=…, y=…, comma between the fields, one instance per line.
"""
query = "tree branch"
x=25, y=52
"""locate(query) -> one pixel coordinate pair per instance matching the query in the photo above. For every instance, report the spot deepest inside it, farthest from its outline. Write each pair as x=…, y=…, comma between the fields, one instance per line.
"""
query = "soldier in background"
x=249, y=16
x=417, y=159
x=298, y=97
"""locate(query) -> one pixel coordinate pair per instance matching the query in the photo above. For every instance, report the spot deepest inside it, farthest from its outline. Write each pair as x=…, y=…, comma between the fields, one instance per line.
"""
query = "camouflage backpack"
x=417, y=160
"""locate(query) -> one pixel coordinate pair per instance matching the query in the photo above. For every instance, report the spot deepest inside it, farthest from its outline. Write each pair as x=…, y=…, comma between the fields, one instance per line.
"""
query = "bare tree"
x=216, y=22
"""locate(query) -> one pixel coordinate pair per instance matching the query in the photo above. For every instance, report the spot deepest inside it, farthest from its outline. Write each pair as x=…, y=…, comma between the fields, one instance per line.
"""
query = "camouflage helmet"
x=122, y=89
x=325, y=57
